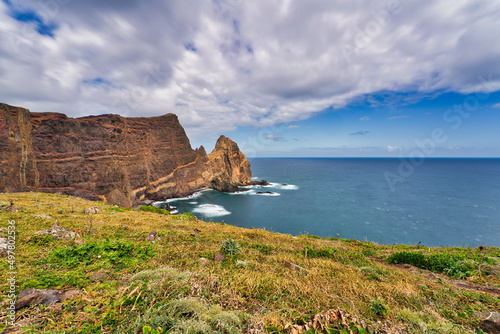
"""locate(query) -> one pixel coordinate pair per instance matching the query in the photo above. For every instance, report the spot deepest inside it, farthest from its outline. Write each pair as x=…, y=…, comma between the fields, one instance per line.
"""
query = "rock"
x=197, y=230
x=218, y=257
x=193, y=234
x=99, y=276
x=124, y=161
x=59, y=233
x=490, y=321
x=258, y=183
x=4, y=246
x=293, y=266
x=13, y=330
x=92, y=210
x=204, y=261
x=265, y=193
x=31, y=297
x=70, y=294
x=43, y=216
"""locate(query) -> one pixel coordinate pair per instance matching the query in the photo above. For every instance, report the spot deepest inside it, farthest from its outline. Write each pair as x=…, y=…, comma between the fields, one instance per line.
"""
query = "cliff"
x=111, y=158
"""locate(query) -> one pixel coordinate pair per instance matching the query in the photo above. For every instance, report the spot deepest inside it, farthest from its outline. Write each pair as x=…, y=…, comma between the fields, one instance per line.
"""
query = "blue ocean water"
x=438, y=202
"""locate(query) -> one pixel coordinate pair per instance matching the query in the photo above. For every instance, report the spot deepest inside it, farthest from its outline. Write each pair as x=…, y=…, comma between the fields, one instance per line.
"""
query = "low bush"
x=456, y=266
x=154, y=209
x=114, y=252
x=230, y=246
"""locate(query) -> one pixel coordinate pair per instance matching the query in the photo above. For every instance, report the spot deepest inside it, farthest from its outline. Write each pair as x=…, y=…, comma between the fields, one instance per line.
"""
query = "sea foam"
x=211, y=210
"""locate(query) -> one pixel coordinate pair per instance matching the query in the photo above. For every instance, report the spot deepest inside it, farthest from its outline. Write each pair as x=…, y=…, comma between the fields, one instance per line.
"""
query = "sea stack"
x=111, y=158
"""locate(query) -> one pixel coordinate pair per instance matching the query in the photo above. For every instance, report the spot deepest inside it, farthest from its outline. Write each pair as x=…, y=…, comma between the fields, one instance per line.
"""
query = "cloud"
x=496, y=105
x=366, y=118
x=397, y=117
x=291, y=127
x=393, y=148
x=275, y=138
x=359, y=133
x=224, y=64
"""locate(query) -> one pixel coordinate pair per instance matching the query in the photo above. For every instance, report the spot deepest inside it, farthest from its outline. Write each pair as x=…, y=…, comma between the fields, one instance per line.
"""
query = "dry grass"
x=260, y=290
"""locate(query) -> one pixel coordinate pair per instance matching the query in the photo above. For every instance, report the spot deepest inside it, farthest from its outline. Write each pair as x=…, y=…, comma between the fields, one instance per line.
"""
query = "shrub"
x=451, y=265
x=113, y=252
x=154, y=209
x=230, y=246
x=378, y=308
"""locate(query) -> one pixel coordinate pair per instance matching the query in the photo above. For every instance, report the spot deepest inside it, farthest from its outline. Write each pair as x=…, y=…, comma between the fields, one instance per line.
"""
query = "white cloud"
x=398, y=117
x=366, y=118
x=223, y=64
x=291, y=127
x=496, y=105
x=393, y=148
x=275, y=138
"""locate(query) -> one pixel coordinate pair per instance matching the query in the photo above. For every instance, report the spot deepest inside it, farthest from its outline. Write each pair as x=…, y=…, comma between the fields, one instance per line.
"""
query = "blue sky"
x=470, y=124
x=282, y=78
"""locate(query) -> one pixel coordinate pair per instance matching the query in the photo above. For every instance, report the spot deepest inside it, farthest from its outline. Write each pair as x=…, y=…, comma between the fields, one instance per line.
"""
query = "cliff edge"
x=111, y=158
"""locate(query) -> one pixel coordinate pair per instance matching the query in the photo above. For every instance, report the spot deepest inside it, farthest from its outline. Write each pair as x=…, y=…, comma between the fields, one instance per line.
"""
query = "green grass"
x=457, y=264
x=154, y=209
x=127, y=283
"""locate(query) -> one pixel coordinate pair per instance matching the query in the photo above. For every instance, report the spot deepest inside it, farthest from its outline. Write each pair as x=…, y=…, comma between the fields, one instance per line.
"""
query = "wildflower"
x=159, y=238
x=153, y=242
x=151, y=237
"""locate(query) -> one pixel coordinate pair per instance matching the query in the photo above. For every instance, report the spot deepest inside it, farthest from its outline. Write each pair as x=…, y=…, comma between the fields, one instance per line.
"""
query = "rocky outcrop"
x=119, y=160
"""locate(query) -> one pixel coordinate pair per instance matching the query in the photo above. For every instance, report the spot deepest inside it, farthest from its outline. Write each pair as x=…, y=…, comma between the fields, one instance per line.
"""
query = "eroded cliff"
x=121, y=160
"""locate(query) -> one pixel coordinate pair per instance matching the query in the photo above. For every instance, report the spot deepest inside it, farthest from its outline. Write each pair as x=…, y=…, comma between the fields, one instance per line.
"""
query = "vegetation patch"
x=114, y=252
x=154, y=209
x=128, y=284
x=453, y=265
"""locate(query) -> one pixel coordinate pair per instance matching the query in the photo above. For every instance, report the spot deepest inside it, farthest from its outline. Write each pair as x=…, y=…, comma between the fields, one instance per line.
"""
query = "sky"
x=289, y=78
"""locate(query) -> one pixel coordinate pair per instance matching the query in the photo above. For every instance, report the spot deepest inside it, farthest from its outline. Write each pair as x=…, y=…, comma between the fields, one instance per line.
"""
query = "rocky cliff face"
x=109, y=157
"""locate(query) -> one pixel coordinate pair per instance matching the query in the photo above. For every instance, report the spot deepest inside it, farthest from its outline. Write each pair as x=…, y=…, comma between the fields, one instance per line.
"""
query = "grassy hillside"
x=126, y=282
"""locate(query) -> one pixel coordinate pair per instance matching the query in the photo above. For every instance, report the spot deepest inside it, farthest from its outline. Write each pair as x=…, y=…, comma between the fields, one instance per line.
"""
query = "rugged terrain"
x=112, y=278
x=111, y=158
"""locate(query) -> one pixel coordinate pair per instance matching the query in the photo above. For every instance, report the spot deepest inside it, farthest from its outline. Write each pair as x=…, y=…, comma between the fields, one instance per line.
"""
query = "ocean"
x=437, y=202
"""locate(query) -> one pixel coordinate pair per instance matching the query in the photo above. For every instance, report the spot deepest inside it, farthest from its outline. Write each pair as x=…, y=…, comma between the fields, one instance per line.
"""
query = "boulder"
x=30, y=297
x=92, y=210
x=258, y=183
x=4, y=246
x=69, y=295
x=218, y=257
x=59, y=233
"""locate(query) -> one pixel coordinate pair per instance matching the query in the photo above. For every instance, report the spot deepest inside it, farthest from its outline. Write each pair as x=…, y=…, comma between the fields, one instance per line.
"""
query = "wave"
x=283, y=186
x=256, y=191
x=267, y=193
x=211, y=210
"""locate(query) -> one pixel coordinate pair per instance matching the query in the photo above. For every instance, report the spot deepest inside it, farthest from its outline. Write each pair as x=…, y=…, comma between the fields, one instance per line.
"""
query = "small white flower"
x=99, y=256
